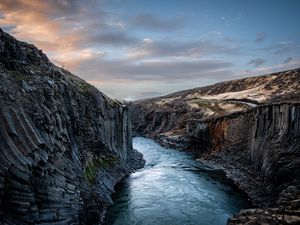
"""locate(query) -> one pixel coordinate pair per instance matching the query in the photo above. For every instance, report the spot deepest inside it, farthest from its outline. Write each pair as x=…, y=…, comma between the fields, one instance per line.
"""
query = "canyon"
x=247, y=128
x=64, y=145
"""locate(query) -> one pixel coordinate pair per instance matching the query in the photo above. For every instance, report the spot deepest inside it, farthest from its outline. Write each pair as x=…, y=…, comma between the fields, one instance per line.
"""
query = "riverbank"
x=271, y=205
x=174, y=189
x=258, y=150
x=105, y=182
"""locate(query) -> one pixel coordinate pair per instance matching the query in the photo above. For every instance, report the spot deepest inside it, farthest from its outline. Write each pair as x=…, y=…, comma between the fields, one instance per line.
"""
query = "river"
x=172, y=189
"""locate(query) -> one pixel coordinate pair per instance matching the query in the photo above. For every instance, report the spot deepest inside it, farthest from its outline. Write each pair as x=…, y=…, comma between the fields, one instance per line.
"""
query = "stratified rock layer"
x=63, y=144
x=257, y=145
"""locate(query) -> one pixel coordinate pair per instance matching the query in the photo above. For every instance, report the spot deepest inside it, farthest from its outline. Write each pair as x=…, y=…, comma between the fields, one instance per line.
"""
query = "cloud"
x=257, y=62
x=99, y=34
x=117, y=52
x=260, y=37
x=115, y=38
x=70, y=60
x=294, y=63
x=156, y=23
x=73, y=34
x=65, y=27
x=167, y=71
x=131, y=80
x=283, y=48
x=172, y=48
x=33, y=21
x=289, y=59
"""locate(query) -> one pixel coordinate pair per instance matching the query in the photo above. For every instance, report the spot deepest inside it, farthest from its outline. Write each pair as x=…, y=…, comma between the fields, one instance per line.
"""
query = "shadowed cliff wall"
x=63, y=144
x=274, y=141
x=267, y=137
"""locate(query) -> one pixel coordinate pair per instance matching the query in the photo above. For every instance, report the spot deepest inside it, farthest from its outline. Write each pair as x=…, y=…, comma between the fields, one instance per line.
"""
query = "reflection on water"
x=172, y=189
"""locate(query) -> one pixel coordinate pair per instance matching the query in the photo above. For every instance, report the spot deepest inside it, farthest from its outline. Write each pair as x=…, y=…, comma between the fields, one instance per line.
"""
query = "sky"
x=132, y=49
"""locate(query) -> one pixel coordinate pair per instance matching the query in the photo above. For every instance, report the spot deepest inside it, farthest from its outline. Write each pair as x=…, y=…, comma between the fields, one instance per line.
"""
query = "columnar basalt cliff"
x=265, y=138
x=63, y=144
x=249, y=133
x=275, y=137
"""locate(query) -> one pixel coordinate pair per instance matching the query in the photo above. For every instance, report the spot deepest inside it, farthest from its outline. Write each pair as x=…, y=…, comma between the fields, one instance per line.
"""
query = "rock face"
x=63, y=144
x=274, y=142
x=256, y=142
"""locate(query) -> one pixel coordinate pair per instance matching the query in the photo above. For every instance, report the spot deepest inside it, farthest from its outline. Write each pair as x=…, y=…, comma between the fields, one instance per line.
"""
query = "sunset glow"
x=151, y=48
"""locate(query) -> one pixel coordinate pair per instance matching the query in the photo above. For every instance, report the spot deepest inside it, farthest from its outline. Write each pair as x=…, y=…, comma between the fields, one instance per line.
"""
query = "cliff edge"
x=247, y=128
x=63, y=144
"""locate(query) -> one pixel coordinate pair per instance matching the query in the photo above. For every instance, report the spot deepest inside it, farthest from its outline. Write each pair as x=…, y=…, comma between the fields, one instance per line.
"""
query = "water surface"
x=172, y=189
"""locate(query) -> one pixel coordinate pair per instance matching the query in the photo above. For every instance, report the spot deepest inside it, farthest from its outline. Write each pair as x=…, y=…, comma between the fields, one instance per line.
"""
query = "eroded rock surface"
x=63, y=144
x=248, y=128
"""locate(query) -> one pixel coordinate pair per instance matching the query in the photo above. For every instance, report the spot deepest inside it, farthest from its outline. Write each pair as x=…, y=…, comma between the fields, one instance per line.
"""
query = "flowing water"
x=172, y=189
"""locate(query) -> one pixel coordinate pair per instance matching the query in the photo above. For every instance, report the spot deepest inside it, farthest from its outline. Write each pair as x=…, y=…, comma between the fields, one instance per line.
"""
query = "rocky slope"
x=248, y=128
x=63, y=144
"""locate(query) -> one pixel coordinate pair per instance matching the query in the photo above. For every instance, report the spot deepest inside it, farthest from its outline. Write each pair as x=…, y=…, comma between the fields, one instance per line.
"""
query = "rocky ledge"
x=254, y=140
x=63, y=144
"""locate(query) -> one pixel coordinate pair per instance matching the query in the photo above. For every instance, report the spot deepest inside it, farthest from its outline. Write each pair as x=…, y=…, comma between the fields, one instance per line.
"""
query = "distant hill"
x=218, y=100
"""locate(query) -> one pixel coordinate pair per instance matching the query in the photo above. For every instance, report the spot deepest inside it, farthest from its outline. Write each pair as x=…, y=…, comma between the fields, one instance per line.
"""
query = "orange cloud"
x=33, y=21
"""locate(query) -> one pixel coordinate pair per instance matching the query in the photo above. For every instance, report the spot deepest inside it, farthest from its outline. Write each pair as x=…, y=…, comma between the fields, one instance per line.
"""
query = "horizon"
x=130, y=50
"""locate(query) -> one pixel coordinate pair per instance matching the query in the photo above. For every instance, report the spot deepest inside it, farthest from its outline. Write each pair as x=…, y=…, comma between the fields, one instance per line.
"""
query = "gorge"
x=248, y=128
x=175, y=189
x=64, y=145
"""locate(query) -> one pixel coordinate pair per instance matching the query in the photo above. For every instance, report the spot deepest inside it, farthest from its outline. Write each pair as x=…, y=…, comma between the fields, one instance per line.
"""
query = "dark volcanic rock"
x=63, y=144
x=258, y=147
